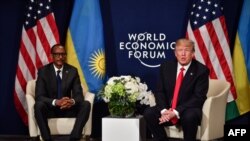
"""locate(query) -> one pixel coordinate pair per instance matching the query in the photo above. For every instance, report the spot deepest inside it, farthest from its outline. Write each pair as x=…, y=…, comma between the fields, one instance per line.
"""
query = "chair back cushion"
x=30, y=88
x=218, y=87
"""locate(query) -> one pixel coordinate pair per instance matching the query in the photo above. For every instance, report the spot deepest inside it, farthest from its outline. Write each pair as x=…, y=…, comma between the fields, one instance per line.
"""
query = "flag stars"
x=197, y=15
x=206, y=10
x=28, y=15
x=204, y=17
x=38, y=12
x=208, y=2
x=193, y=5
x=215, y=5
x=47, y=7
x=40, y=4
x=30, y=8
x=199, y=7
x=195, y=22
x=213, y=12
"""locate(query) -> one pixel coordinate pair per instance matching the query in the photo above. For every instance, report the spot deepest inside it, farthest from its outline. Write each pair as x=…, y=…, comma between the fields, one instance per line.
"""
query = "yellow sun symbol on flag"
x=97, y=64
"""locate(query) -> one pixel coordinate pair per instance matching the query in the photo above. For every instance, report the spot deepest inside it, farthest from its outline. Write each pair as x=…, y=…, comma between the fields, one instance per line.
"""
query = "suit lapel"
x=187, y=80
x=53, y=83
x=172, y=79
x=65, y=78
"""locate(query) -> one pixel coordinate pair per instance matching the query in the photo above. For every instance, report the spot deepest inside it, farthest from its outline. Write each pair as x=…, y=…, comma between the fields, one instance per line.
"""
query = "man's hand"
x=64, y=103
x=166, y=116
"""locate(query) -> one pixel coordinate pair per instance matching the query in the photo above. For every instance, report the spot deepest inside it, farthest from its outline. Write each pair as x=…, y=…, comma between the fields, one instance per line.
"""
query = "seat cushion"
x=177, y=132
x=62, y=126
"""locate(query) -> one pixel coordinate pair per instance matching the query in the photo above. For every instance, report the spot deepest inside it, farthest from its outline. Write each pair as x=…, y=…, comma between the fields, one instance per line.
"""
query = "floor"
x=62, y=138
x=55, y=138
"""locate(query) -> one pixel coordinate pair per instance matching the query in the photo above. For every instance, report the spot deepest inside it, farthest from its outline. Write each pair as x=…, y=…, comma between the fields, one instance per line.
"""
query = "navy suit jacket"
x=193, y=89
x=46, y=84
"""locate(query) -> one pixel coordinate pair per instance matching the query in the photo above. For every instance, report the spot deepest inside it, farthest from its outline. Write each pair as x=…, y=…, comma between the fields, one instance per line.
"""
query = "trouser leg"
x=41, y=115
x=83, y=110
x=152, y=115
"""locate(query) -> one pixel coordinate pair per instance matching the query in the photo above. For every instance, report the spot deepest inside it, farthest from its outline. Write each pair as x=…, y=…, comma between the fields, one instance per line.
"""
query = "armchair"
x=213, y=113
x=213, y=118
x=62, y=126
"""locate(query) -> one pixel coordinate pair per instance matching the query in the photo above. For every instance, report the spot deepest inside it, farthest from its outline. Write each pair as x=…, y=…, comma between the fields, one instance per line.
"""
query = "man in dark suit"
x=191, y=95
x=59, y=94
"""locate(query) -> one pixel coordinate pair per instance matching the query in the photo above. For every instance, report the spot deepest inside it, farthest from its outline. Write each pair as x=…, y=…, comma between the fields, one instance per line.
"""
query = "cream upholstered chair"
x=213, y=113
x=62, y=126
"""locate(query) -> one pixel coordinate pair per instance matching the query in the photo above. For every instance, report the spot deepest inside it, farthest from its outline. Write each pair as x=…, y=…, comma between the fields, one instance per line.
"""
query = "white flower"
x=126, y=88
x=131, y=87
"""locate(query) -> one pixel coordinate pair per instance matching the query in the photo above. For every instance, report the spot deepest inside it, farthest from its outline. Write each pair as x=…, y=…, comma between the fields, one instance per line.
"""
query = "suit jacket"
x=46, y=84
x=193, y=89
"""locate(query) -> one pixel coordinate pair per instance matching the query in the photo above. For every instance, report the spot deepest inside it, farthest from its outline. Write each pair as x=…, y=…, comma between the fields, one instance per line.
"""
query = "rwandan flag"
x=241, y=60
x=85, y=43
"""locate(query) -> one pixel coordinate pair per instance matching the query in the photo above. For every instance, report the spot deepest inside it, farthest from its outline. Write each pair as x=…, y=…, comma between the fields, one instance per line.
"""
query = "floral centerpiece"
x=122, y=93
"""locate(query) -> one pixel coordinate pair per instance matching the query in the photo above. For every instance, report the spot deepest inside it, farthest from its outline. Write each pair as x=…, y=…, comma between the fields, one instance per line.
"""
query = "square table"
x=123, y=129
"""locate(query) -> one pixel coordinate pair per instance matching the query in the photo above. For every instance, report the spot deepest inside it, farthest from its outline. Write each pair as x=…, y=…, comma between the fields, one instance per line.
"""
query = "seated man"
x=180, y=94
x=59, y=94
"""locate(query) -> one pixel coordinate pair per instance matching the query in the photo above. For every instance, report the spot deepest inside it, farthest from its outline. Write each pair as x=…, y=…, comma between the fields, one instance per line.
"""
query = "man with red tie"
x=180, y=95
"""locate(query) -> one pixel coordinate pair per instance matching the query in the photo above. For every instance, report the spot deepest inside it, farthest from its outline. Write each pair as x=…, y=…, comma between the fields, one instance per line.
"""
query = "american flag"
x=207, y=28
x=39, y=33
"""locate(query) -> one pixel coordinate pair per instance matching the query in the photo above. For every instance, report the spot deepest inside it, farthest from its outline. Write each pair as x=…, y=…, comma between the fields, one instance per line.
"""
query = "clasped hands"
x=64, y=103
x=166, y=116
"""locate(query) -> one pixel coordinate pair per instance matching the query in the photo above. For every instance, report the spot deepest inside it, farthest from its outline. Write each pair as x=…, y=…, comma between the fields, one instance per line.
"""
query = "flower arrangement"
x=122, y=93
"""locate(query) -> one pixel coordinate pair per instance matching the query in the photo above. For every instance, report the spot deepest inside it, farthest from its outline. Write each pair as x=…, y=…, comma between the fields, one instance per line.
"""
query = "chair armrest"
x=88, y=96
x=213, y=118
x=33, y=129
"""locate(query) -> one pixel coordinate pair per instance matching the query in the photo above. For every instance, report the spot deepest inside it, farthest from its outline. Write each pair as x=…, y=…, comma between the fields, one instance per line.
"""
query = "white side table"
x=123, y=129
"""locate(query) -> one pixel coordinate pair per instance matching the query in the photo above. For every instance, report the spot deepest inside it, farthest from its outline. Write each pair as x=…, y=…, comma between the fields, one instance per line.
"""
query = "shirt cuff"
x=162, y=111
x=54, y=102
x=176, y=113
x=74, y=102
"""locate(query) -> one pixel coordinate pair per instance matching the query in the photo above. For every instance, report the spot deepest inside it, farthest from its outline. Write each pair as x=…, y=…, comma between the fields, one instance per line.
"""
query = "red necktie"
x=176, y=92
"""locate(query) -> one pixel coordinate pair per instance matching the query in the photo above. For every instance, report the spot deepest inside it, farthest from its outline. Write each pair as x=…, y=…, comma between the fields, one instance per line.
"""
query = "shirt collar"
x=185, y=67
x=56, y=69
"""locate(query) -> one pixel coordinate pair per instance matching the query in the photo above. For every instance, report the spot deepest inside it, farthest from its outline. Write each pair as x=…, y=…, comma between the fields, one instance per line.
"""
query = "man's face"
x=59, y=56
x=184, y=53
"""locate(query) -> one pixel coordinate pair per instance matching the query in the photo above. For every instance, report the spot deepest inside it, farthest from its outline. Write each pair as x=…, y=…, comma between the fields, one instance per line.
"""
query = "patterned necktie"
x=176, y=92
x=59, y=84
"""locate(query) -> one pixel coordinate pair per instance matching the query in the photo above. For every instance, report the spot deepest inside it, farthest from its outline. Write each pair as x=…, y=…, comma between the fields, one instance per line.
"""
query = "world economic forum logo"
x=146, y=47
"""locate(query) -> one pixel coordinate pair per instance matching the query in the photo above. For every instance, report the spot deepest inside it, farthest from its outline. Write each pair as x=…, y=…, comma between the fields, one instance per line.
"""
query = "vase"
x=121, y=109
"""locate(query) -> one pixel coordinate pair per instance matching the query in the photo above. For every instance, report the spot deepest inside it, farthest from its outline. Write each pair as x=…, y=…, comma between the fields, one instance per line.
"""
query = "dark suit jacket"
x=46, y=84
x=193, y=89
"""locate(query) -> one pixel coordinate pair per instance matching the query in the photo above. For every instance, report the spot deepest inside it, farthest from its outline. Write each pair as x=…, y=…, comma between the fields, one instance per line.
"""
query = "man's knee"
x=149, y=113
x=191, y=116
x=85, y=105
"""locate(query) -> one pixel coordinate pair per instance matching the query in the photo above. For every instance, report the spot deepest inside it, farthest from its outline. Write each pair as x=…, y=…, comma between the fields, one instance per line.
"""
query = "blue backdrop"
x=158, y=21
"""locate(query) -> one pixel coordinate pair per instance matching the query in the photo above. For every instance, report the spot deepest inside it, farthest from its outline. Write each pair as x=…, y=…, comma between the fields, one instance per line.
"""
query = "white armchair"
x=213, y=113
x=213, y=117
x=62, y=126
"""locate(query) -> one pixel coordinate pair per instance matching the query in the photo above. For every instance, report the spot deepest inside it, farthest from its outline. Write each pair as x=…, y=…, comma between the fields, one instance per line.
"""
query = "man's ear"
x=51, y=56
x=193, y=55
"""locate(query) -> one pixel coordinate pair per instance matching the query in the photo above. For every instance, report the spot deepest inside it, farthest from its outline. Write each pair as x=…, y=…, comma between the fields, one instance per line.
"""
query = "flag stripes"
x=39, y=33
x=207, y=28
